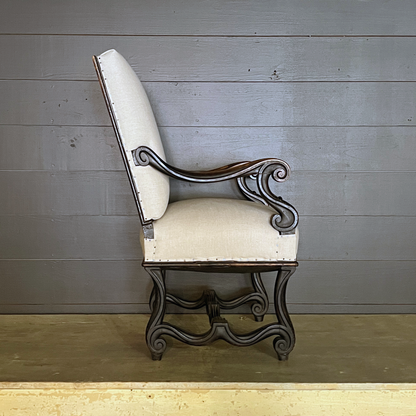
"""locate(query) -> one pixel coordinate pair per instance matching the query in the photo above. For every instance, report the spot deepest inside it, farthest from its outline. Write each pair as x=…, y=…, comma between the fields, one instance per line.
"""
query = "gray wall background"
x=329, y=86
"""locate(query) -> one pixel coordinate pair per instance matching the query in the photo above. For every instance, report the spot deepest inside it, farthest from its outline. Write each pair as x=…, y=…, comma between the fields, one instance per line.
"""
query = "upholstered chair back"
x=135, y=126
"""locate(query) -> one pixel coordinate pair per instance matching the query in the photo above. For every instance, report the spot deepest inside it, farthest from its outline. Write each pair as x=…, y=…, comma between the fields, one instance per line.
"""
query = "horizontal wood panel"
x=51, y=283
x=77, y=193
x=357, y=238
x=76, y=148
x=124, y=287
x=76, y=308
x=59, y=148
x=217, y=104
x=172, y=58
x=347, y=309
x=353, y=282
x=115, y=238
x=109, y=193
x=265, y=17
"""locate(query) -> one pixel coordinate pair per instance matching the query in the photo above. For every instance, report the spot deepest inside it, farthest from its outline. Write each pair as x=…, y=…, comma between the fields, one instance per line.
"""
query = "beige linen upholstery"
x=215, y=229
x=137, y=127
x=205, y=229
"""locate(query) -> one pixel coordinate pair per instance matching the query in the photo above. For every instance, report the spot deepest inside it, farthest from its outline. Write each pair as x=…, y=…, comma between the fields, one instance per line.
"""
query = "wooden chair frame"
x=258, y=173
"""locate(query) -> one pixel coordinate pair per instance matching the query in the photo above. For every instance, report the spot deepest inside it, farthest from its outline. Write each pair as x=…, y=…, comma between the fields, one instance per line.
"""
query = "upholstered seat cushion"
x=215, y=229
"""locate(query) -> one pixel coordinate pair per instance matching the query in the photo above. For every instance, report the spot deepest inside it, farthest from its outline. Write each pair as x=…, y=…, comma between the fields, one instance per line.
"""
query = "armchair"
x=255, y=235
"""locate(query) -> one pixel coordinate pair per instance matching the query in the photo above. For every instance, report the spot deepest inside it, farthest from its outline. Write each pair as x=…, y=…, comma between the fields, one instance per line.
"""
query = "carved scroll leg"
x=284, y=345
x=261, y=305
x=156, y=344
x=152, y=299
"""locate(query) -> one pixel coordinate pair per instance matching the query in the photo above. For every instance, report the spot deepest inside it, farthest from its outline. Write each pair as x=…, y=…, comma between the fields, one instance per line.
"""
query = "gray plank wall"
x=328, y=86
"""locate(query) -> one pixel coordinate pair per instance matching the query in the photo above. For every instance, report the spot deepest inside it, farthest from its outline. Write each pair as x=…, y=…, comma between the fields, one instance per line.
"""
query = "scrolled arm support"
x=261, y=171
x=287, y=218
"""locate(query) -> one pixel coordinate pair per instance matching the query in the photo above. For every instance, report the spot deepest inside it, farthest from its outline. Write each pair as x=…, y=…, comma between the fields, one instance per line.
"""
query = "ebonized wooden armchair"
x=255, y=235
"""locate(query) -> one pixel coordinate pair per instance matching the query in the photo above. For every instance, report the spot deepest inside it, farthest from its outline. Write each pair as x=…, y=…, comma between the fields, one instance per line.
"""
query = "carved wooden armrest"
x=260, y=171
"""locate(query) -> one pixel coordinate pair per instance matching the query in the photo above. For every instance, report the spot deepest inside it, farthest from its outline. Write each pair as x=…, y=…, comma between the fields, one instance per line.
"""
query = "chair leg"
x=282, y=329
x=152, y=299
x=156, y=344
x=261, y=305
x=285, y=344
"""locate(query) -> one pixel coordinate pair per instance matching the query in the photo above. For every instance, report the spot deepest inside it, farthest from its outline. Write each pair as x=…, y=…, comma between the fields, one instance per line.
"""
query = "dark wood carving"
x=282, y=330
x=253, y=179
x=259, y=171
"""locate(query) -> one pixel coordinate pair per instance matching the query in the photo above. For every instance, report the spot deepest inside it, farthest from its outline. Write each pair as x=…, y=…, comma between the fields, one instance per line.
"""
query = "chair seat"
x=216, y=229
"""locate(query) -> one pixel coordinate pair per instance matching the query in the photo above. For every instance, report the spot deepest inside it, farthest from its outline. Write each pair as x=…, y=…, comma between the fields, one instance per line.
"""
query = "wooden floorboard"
x=100, y=365
x=112, y=348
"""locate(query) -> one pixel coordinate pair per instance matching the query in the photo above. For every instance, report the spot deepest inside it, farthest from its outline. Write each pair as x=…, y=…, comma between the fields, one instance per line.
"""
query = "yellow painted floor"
x=111, y=348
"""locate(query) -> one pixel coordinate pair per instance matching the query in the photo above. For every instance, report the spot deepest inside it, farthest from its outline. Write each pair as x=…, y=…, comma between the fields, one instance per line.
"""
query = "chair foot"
x=282, y=357
x=284, y=344
x=156, y=357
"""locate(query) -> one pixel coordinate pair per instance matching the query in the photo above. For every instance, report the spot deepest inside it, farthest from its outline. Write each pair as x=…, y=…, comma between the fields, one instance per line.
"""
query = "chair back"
x=135, y=125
